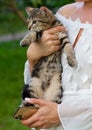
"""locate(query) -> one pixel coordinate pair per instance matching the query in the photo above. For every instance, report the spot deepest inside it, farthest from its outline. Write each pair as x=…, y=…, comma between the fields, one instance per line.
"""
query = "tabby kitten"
x=47, y=73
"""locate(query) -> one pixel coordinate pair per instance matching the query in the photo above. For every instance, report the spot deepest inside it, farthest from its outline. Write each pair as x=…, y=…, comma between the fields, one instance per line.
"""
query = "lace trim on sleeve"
x=77, y=22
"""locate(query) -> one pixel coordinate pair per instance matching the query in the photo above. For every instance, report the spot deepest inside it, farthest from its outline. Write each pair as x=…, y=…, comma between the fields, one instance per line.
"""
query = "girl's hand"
x=48, y=44
x=50, y=41
x=45, y=117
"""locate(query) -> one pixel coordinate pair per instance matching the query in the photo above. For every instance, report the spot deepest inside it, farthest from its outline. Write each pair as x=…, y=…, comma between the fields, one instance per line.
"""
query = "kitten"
x=46, y=77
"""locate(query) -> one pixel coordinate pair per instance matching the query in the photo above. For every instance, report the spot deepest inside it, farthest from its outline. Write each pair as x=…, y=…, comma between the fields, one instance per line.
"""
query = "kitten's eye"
x=34, y=22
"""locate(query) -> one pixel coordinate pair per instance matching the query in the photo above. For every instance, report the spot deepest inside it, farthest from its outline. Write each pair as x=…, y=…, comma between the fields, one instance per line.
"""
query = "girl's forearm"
x=32, y=64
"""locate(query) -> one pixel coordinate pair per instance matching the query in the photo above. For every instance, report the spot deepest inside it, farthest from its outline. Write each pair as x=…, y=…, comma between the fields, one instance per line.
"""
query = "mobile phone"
x=24, y=112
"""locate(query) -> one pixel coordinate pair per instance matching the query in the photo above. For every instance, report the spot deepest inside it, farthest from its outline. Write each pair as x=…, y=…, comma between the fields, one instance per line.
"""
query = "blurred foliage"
x=13, y=15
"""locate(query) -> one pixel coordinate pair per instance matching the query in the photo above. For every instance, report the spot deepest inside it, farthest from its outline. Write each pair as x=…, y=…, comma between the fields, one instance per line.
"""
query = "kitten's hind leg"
x=54, y=90
x=35, y=88
x=68, y=49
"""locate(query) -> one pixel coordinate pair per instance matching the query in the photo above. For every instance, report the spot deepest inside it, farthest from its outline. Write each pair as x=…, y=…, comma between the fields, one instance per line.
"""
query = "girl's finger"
x=56, y=29
x=39, y=102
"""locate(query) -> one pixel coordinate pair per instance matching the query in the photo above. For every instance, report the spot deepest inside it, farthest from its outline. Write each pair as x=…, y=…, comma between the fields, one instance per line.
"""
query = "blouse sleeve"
x=27, y=75
x=75, y=112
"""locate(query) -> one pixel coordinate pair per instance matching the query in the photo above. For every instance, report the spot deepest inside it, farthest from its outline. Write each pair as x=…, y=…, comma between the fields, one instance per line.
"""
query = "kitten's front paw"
x=24, y=43
x=72, y=62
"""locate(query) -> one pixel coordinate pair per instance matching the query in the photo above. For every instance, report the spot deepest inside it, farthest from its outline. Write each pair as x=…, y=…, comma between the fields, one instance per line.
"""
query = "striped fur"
x=46, y=77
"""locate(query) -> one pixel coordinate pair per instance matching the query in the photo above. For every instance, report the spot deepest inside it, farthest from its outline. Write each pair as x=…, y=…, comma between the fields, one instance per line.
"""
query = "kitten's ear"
x=28, y=10
x=45, y=9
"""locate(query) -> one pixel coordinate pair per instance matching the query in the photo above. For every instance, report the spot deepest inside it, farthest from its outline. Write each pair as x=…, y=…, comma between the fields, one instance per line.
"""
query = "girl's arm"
x=48, y=44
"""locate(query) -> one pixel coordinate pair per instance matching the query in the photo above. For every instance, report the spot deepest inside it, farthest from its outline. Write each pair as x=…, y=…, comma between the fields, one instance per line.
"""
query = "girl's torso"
x=80, y=34
x=77, y=82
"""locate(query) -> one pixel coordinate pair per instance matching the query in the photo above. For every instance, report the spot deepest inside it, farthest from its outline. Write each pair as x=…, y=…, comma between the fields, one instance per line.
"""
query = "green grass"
x=12, y=58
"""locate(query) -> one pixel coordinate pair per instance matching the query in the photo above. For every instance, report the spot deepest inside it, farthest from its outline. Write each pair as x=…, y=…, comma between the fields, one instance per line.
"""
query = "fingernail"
x=27, y=99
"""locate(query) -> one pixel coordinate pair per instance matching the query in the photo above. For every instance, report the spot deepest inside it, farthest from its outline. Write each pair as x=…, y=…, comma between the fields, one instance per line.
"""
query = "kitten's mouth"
x=29, y=28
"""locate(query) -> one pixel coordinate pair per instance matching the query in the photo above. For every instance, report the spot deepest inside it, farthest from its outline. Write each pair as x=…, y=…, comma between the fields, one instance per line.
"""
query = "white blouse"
x=75, y=111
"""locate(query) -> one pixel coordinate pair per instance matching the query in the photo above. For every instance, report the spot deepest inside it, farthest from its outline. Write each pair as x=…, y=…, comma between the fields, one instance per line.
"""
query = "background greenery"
x=12, y=56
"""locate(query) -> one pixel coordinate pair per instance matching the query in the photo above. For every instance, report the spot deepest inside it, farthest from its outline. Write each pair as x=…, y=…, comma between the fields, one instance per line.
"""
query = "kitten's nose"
x=29, y=25
x=29, y=28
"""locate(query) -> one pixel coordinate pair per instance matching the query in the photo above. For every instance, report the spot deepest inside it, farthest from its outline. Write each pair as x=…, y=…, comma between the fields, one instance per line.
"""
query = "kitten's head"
x=39, y=18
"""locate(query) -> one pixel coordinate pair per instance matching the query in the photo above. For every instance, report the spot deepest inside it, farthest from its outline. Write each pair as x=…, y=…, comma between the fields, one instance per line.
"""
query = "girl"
x=75, y=111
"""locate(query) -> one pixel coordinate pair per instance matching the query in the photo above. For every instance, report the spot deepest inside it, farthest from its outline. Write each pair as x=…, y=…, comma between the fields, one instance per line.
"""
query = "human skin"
x=50, y=43
x=45, y=117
